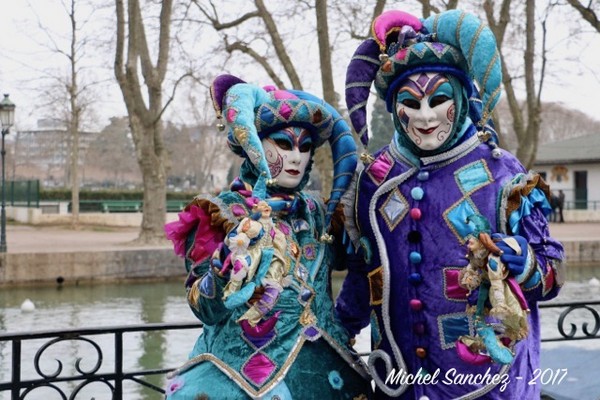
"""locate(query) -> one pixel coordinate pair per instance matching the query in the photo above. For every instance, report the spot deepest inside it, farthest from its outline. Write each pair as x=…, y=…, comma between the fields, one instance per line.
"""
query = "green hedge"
x=65, y=195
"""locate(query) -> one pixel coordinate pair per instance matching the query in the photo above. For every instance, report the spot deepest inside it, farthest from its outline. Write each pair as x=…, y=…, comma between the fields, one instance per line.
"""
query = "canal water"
x=128, y=304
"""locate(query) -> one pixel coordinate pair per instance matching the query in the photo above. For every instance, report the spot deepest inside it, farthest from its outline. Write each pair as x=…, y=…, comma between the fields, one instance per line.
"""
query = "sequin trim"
x=236, y=377
x=447, y=339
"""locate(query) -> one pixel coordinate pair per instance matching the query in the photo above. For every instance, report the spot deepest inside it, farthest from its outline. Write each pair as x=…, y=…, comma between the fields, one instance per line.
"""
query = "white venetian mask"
x=425, y=108
x=288, y=152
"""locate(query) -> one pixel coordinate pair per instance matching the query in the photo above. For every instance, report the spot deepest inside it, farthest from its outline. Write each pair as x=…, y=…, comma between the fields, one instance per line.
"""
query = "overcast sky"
x=576, y=85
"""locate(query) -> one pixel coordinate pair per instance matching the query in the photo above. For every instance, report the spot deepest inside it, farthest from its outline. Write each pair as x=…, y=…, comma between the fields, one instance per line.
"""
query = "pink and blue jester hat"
x=251, y=113
x=454, y=43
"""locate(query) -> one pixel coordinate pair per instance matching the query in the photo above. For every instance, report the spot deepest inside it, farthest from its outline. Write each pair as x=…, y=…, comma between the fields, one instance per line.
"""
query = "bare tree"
x=526, y=121
x=112, y=154
x=75, y=109
x=197, y=157
x=132, y=51
x=278, y=55
x=69, y=89
x=588, y=12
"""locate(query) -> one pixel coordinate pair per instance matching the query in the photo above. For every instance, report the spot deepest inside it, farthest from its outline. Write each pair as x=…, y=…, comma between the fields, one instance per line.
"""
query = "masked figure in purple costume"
x=259, y=257
x=411, y=211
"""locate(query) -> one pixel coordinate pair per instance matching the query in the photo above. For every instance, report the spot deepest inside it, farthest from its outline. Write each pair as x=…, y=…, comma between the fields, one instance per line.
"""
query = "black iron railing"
x=588, y=317
x=587, y=314
x=84, y=377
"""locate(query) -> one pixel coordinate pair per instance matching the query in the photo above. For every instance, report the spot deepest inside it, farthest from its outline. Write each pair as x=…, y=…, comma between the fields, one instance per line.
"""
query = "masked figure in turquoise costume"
x=411, y=212
x=259, y=257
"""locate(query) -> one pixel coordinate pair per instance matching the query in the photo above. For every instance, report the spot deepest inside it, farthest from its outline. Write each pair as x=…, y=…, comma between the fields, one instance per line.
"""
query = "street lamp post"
x=7, y=118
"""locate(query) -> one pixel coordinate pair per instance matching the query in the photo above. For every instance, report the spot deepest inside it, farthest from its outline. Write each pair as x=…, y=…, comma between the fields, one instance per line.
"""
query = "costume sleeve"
x=352, y=304
x=527, y=206
x=198, y=236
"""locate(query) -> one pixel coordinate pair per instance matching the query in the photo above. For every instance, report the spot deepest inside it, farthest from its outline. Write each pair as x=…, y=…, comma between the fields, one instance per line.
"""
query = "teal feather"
x=497, y=351
x=240, y=297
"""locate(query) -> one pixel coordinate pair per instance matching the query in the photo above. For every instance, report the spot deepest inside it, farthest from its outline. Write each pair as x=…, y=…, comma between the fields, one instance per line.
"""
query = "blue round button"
x=415, y=278
x=423, y=176
x=415, y=257
x=417, y=193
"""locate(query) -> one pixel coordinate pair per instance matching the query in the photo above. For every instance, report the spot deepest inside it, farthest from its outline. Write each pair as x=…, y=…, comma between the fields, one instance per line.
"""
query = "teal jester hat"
x=250, y=113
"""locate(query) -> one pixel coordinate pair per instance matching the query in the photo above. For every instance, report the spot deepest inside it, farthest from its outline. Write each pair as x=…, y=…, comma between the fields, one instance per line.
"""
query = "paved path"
x=47, y=239
x=54, y=239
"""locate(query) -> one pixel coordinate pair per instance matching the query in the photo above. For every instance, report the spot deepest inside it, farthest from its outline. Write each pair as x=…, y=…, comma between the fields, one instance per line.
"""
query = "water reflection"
x=127, y=304
x=95, y=306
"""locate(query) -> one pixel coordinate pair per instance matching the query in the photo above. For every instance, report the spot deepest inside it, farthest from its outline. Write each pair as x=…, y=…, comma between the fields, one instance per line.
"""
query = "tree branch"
x=230, y=48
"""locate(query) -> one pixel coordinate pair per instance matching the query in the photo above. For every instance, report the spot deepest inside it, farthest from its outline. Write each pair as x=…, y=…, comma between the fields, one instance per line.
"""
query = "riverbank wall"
x=109, y=266
x=73, y=268
x=46, y=251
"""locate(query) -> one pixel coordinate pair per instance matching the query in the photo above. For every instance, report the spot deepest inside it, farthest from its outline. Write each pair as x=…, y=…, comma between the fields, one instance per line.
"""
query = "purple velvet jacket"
x=409, y=222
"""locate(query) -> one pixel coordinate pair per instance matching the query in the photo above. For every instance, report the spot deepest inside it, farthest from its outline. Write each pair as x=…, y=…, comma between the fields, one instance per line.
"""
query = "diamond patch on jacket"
x=394, y=209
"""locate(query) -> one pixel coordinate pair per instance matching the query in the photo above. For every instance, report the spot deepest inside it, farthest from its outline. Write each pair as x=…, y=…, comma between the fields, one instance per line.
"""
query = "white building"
x=573, y=166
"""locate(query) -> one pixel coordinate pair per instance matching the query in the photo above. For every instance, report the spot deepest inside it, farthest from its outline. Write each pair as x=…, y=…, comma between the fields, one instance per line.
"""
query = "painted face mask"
x=425, y=108
x=288, y=152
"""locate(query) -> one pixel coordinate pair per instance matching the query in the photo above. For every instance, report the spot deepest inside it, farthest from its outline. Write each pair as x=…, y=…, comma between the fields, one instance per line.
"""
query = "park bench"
x=121, y=206
x=176, y=205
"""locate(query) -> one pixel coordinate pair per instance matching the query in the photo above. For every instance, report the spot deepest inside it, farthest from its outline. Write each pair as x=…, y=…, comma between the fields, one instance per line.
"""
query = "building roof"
x=582, y=149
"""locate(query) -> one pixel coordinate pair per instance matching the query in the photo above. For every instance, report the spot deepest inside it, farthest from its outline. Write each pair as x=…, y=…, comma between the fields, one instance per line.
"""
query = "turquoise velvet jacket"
x=304, y=311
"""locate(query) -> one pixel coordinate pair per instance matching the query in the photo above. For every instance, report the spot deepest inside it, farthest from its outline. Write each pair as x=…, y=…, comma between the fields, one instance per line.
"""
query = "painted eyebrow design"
x=283, y=135
x=433, y=88
x=305, y=137
x=412, y=89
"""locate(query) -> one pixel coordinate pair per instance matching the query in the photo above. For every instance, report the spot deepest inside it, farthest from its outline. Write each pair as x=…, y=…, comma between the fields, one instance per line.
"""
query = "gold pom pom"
x=326, y=238
x=366, y=158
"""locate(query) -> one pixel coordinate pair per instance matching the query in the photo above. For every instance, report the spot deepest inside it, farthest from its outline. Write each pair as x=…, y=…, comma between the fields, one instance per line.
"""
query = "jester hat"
x=251, y=113
x=454, y=42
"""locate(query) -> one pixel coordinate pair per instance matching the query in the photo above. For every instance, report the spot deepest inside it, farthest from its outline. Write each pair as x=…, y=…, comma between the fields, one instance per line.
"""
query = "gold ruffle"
x=533, y=181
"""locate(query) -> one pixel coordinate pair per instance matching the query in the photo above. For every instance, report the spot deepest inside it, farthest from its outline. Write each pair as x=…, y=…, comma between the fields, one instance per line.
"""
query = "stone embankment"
x=41, y=254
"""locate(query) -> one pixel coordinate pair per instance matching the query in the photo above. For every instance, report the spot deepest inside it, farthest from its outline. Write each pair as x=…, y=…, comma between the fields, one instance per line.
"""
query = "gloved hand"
x=515, y=251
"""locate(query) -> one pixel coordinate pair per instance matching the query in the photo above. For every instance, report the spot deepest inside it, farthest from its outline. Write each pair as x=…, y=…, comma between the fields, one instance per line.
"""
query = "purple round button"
x=419, y=328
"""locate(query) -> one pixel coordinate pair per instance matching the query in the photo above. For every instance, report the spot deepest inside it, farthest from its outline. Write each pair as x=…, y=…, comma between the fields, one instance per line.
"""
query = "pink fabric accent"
x=283, y=95
x=258, y=369
x=394, y=19
x=270, y=88
x=237, y=266
x=285, y=111
x=231, y=115
x=516, y=289
x=401, y=54
x=380, y=168
x=416, y=304
x=226, y=264
x=415, y=213
x=548, y=280
x=250, y=201
x=467, y=356
x=283, y=228
x=238, y=210
x=207, y=238
x=174, y=385
x=262, y=328
x=453, y=289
